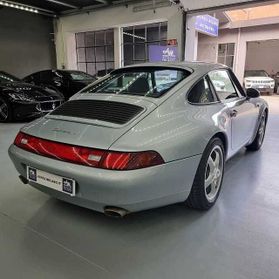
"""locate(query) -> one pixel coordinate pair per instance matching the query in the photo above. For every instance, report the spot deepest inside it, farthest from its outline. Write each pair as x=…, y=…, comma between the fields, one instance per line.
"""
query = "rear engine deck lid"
x=105, y=111
x=84, y=131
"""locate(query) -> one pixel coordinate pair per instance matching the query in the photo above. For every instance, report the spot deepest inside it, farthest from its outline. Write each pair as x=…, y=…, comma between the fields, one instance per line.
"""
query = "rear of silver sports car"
x=77, y=160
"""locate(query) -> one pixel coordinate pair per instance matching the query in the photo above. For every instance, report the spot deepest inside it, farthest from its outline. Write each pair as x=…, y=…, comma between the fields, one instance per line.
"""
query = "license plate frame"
x=56, y=182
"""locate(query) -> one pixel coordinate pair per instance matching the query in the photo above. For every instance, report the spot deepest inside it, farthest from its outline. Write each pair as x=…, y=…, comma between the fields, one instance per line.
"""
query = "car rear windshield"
x=141, y=81
x=256, y=73
x=6, y=78
x=80, y=76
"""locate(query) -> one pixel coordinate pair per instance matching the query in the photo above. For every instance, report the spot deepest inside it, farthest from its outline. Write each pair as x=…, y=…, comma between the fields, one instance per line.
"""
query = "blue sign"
x=163, y=53
x=207, y=24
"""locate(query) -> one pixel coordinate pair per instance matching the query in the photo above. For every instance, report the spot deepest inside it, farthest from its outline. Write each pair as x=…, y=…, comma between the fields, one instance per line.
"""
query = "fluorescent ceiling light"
x=22, y=7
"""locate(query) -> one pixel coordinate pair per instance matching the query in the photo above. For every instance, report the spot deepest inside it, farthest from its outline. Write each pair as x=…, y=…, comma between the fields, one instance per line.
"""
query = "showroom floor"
x=44, y=238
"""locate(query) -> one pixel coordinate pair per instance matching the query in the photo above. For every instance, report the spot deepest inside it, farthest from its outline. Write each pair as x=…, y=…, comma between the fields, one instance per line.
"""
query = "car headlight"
x=248, y=84
x=21, y=97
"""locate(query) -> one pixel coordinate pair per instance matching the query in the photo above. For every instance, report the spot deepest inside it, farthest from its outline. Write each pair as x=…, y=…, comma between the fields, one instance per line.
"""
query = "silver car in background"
x=144, y=136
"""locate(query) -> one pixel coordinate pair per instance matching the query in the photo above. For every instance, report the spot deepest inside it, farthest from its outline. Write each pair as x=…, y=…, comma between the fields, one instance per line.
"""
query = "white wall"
x=239, y=36
x=263, y=55
x=26, y=44
x=114, y=17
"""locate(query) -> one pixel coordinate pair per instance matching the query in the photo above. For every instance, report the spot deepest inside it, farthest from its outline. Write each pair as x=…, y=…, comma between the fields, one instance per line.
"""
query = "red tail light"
x=112, y=160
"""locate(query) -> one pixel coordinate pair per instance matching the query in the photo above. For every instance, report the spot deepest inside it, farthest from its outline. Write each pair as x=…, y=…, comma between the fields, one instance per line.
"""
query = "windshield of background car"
x=257, y=73
x=5, y=78
x=80, y=76
x=142, y=81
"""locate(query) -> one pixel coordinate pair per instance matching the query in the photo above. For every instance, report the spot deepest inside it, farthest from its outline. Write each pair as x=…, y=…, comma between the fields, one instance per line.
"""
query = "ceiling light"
x=19, y=7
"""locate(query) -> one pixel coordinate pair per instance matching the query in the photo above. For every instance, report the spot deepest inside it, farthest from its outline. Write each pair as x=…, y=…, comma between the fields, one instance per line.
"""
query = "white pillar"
x=240, y=56
x=191, y=43
x=71, y=52
x=118, y=47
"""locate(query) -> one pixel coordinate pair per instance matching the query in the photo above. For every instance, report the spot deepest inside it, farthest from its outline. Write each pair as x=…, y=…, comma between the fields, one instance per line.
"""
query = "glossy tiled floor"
x=238, y=238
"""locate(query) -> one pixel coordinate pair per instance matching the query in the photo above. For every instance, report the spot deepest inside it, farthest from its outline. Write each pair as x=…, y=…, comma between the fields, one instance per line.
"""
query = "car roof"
x=56, y=70
x=192, y=66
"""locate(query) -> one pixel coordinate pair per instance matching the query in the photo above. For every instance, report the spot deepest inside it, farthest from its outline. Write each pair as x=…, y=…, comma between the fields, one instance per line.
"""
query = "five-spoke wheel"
x=213, y=173
x=209, y=176
x=258, y=141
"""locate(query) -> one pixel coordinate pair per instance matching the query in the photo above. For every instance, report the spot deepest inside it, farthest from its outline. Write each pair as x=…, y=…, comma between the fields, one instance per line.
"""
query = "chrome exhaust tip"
x=116, y=212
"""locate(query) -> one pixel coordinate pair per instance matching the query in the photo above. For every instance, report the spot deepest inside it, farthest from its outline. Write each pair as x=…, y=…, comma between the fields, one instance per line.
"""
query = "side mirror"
x=253, y=93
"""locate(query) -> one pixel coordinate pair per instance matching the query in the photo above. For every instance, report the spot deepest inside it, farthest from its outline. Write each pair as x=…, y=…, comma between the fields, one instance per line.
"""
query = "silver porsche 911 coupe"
x=142, y=137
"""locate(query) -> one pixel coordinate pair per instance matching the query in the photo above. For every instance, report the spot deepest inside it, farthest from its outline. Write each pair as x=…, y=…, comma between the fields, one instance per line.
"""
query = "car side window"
x=201, y=93
x=239, y=88
x=223, y=85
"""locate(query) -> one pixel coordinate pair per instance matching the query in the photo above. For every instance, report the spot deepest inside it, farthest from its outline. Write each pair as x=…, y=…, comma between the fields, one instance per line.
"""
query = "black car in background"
x=66, y=81
x=20, y=100
x=276, y=78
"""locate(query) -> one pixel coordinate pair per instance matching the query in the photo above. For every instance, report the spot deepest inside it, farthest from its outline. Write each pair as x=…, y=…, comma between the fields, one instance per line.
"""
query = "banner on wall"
x=207, y=24
x=162, y=53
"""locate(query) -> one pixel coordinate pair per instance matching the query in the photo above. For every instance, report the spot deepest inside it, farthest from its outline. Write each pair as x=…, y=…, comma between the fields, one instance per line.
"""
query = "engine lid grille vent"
x=114, y=112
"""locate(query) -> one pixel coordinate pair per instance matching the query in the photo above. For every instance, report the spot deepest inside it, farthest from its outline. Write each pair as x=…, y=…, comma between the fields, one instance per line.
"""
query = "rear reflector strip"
x=91, y=157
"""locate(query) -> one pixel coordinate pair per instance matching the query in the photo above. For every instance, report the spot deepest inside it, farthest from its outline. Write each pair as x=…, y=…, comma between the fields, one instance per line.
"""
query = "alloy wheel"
x=262, y=129
x=214, y=173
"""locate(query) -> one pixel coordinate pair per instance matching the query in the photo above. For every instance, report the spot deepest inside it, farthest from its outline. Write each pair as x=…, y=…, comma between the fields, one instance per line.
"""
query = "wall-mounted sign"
x=172, y=42
x=207, y=24
x=163, y=53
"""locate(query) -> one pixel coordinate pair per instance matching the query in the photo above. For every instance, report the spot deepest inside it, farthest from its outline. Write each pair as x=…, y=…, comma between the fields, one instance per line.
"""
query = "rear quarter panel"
x=176, y=129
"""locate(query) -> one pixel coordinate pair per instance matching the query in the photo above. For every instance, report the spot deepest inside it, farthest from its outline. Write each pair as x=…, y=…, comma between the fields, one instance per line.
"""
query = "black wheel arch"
x=223, y=137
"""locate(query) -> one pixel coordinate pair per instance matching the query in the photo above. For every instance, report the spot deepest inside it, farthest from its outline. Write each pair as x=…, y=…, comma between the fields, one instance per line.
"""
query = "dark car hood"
x=36, y=92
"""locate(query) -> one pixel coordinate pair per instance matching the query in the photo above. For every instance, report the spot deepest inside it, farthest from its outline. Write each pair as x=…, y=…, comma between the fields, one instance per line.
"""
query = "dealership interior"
x=52, y=136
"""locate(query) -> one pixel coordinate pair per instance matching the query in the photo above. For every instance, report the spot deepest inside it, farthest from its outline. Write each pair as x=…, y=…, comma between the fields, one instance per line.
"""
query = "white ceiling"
x=216, y=4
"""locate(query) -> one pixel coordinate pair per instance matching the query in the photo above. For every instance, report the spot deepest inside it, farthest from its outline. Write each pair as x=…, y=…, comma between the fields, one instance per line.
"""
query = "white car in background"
x=219, y=85
x=260, y=80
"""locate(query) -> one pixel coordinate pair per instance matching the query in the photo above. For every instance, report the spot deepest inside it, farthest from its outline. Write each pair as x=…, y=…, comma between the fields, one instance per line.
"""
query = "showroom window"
x=137, y=39
x=226, y=54
x=95, y=52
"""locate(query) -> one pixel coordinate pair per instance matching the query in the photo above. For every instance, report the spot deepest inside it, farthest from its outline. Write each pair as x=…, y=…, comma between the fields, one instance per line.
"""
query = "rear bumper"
x=266, y=90
x=263, y=90
x=133, y=190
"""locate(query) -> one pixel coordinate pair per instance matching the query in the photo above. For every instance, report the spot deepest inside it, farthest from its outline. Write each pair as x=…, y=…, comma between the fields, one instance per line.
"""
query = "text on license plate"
x=59, y=183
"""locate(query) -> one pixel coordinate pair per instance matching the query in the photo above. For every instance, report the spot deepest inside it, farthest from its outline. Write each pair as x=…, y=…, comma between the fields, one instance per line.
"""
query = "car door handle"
x=233, y=113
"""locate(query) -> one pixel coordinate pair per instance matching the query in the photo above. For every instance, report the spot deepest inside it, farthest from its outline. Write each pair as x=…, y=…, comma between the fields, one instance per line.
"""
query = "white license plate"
x=59, y=183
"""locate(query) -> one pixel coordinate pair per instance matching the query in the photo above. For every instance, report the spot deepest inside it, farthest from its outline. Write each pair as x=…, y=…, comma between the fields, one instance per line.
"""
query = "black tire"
x=258, y=141
x=198, y=198
x=5, y=111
